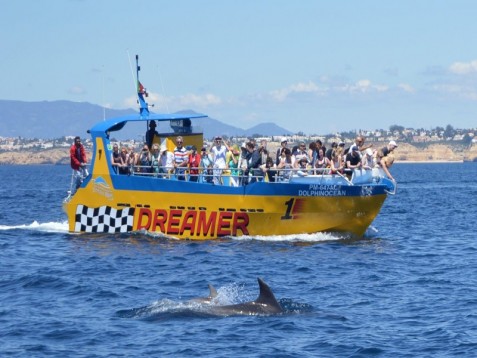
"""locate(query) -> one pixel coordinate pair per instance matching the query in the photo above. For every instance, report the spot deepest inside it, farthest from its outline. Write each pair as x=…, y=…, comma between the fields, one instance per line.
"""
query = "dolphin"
x=266, y=303
x=209, y=299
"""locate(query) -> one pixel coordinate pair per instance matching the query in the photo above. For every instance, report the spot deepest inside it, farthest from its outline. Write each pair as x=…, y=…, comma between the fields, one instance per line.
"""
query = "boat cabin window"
x=181, y=125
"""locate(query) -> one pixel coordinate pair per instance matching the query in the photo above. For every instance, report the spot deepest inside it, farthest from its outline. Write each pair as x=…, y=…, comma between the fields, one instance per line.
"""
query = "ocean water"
x=408, y=288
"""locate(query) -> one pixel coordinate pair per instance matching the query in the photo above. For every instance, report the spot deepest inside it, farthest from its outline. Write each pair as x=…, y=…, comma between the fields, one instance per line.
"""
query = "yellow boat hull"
x=198, y=216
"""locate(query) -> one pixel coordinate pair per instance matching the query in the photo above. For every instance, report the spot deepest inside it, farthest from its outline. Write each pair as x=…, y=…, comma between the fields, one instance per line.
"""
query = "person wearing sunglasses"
x=181, y=158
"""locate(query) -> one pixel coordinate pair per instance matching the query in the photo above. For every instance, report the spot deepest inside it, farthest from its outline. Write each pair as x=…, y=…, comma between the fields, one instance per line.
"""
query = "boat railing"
x=239, y=177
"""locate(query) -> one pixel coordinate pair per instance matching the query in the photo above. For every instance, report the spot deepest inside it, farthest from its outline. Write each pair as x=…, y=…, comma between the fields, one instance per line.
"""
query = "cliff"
x=405, y=152
x=435, y=152
x=47, y=156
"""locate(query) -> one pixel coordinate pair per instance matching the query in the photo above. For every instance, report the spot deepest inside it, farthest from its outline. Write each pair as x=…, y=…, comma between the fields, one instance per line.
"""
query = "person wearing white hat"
x=166, y=161
x=368, y=159
x=392, y=144
x=382, y=160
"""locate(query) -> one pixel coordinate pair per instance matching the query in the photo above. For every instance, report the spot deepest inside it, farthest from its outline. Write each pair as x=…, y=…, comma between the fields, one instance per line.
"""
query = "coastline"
x=429, y=161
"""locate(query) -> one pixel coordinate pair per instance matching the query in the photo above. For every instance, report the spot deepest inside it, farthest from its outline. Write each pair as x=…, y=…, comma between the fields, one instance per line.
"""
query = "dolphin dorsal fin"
x=213, y=291
x=266, y=295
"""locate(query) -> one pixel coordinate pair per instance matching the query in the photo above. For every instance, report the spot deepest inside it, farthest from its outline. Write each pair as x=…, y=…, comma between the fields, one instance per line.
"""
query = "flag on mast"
x=141, y=89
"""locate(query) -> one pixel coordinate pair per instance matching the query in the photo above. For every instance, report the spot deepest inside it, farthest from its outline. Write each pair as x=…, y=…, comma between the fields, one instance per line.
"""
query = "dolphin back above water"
x=209, y=299
x=266, y=303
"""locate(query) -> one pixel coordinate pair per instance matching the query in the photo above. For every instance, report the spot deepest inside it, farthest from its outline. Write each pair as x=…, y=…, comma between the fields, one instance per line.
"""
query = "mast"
x=141, y=92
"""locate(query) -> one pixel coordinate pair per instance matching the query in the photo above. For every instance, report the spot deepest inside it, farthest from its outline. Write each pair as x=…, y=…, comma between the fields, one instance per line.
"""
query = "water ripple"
x=407, y=288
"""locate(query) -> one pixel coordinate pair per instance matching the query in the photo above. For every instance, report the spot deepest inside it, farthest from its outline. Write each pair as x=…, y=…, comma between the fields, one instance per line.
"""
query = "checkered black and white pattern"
x=103, y=219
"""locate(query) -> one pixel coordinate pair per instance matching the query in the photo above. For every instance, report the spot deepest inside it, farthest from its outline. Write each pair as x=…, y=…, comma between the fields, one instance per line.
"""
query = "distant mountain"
x=212, y=127
x=270, y=129
x=51, y=119
x=62, y=118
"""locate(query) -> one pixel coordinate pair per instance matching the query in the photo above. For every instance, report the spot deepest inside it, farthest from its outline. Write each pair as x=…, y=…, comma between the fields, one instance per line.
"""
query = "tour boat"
x=109, y=202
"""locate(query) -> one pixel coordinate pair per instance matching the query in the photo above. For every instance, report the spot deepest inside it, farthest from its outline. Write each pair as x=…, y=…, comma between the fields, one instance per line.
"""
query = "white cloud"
x=463, y=68
x=176, y=102
x=363, y=83
x=281, y=95
x=300, y=91
x=406, y=88
x=130, y=102
x=203, y=101
x=448, y=88
x=458, y=90
x=76, y=90
x=363, y=86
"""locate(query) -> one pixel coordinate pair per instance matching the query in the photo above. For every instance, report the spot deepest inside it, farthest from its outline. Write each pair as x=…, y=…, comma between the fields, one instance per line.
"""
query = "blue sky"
x=311, y=66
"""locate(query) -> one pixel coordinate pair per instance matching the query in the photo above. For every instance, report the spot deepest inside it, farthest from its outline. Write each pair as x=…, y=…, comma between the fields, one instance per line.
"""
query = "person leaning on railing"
x=181, y=158
x=283, y=145
x=232, y=163
x=253, y=163
x=219, y=153
x=194, y=164
x=206, y=166
x=117, y=160
x=155, y=159
x=269, y=170
x=368, y=159
x=381, y=156
x=132, y=159
x=144, y=161
x=302, y=167
x=166, y=162
x=285, y=164
x=321, y=162
x=353, y=158
x=336, y=162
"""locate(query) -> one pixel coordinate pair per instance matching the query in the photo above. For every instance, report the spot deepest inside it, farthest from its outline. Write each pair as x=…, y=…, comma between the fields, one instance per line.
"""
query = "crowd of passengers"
x=252, y=161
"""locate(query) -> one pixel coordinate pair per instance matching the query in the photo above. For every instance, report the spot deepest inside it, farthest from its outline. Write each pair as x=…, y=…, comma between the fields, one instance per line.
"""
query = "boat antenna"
x=132, y=73
x=141, y=91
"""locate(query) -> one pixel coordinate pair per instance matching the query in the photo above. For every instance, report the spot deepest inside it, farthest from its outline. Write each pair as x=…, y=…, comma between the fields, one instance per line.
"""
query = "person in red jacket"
x=78, y=162
x=194, y=164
